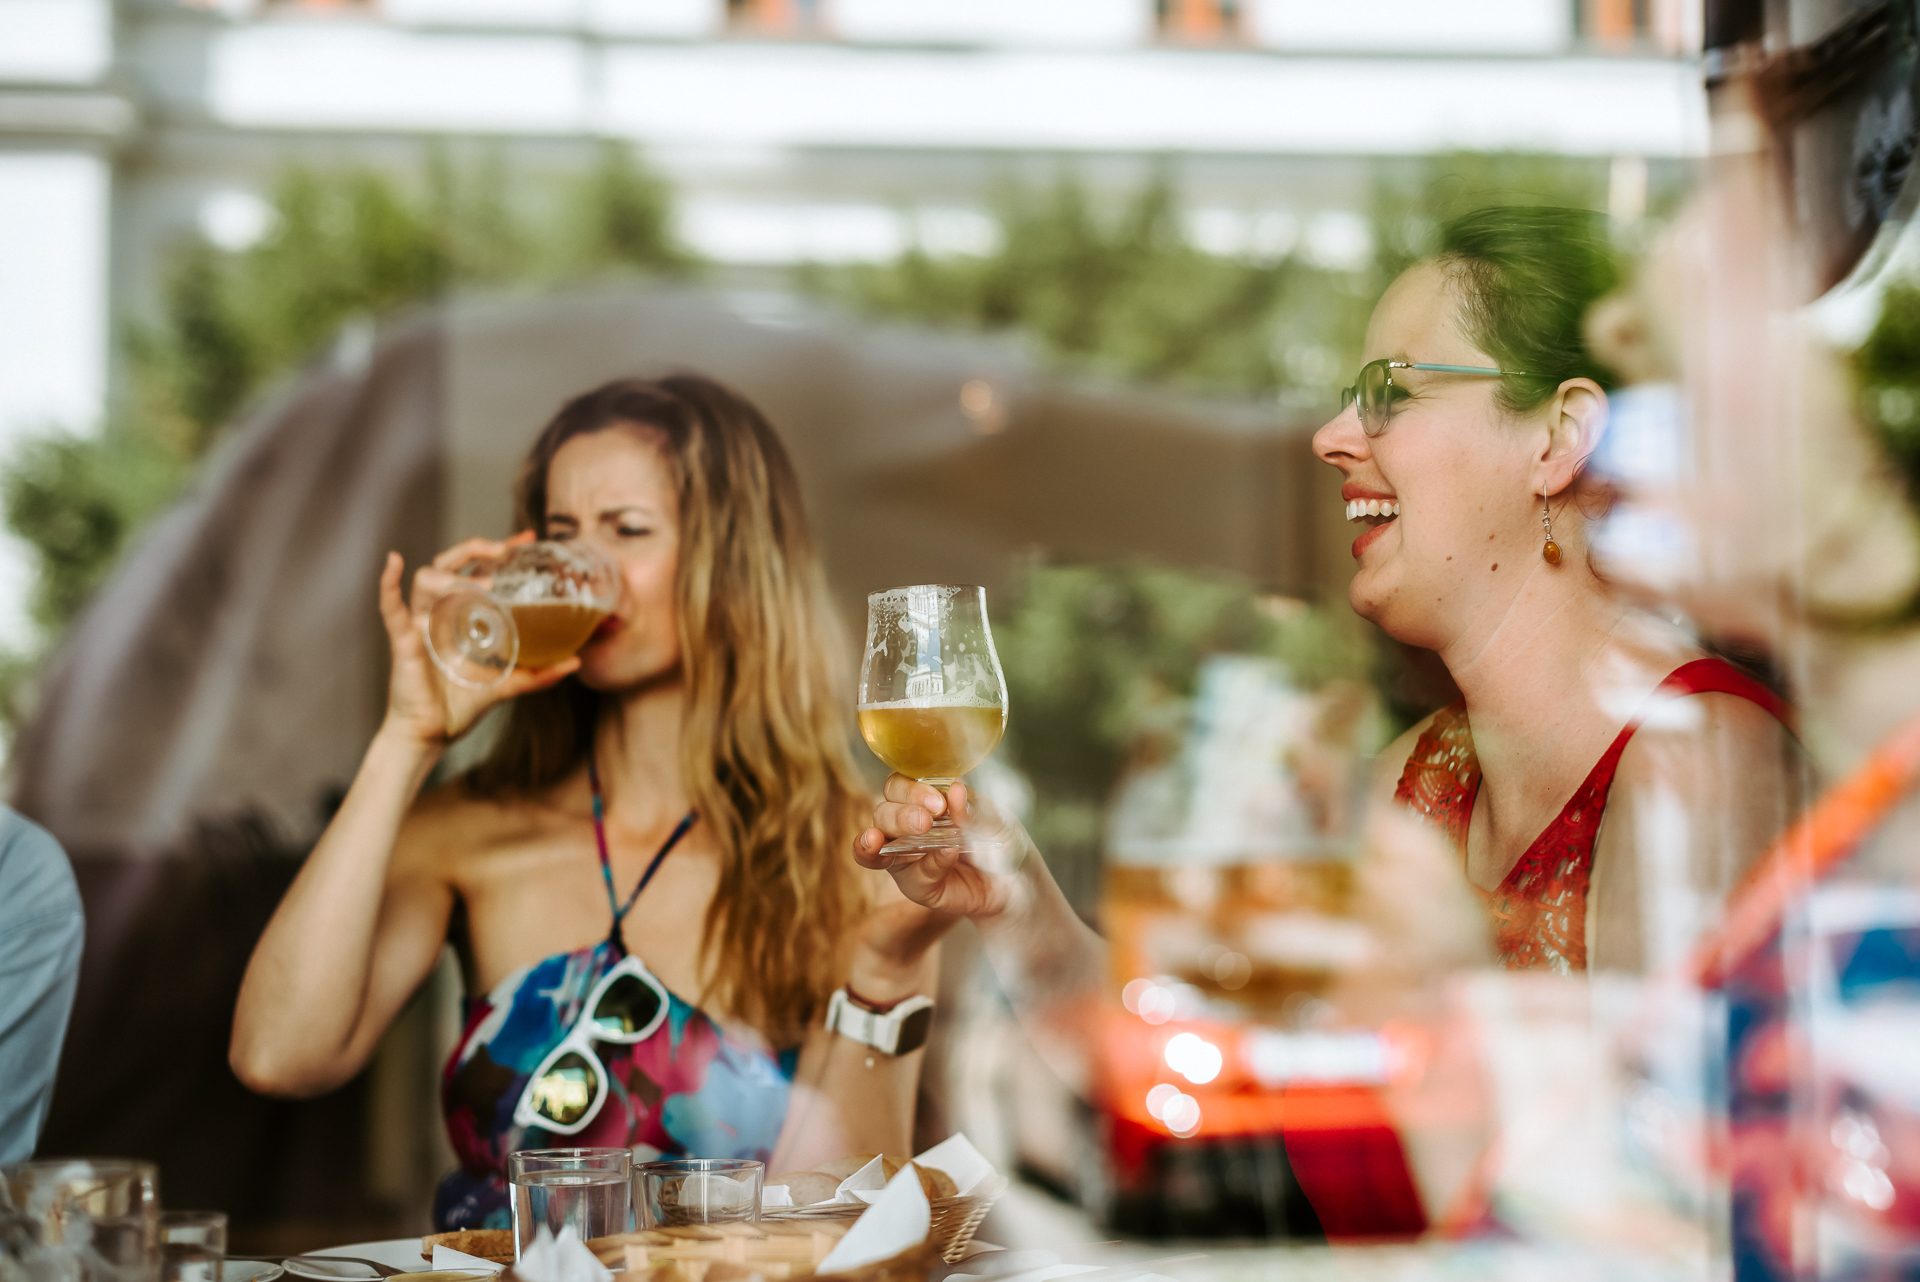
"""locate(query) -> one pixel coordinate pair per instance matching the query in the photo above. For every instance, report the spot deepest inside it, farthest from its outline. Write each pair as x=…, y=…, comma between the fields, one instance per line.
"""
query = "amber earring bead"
x=1552, y=552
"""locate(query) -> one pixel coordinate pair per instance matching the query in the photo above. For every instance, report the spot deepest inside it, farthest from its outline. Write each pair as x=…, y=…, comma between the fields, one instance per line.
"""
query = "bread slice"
x=935, y=1183
x=488, y=1244
x=841, y=1167
x=806, y=1187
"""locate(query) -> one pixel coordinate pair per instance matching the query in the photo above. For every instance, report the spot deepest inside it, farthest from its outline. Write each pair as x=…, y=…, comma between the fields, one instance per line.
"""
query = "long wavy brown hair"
x=765, y=748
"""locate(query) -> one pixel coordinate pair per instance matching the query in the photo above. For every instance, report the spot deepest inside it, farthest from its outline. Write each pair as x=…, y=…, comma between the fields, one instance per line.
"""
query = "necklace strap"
x=619, y=909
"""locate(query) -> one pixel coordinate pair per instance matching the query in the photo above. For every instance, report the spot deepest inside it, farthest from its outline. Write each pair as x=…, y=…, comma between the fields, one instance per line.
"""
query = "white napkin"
x=899, y=1219
x=960, y=1160
x=865, y=1184
x=560, y=1259
x=445, y=1257
x=772, y=1195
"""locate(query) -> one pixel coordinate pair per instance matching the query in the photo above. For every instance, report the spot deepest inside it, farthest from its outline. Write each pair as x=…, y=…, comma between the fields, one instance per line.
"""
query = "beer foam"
x=936, y=701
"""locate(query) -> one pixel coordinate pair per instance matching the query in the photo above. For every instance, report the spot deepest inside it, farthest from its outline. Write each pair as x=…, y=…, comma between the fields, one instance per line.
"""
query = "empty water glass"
x=587, y=1189
x=193, y=1245
x=698, y=1191
x=100, y=1214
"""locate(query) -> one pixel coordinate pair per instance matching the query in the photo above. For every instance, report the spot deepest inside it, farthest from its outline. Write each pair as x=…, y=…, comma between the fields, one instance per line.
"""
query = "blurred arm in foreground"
x=1050, y=963
x=40, y=936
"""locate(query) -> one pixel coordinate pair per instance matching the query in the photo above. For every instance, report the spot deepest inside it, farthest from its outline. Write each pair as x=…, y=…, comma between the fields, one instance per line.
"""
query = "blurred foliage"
x=1097, y=655
x=1119, y=288
x=1091, y=651
x=1118, y=291
x=343, y=244
x=1887, y=366
x=82, y=498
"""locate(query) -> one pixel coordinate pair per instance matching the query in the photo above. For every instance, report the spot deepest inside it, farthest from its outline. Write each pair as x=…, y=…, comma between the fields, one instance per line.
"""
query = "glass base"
x=944, y=835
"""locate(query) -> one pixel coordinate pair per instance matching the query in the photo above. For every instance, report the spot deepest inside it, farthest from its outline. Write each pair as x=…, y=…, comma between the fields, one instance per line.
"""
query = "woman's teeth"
x=1359, y=508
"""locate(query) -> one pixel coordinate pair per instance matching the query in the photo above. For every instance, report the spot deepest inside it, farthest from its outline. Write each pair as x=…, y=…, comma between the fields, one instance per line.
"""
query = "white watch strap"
x=858, y=1024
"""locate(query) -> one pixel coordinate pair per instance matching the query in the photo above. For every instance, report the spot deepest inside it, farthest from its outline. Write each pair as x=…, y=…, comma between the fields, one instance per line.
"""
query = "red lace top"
x=1540, y=909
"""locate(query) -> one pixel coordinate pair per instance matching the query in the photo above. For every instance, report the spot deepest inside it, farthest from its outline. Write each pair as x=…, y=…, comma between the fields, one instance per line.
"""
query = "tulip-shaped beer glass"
x=933, y=701
x=532, y=607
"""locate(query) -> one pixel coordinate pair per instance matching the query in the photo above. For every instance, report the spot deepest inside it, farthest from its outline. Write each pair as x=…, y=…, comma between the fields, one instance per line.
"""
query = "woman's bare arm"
x=363, y=923
x=849, y=1098
x=1049, y=962
x=359, y=930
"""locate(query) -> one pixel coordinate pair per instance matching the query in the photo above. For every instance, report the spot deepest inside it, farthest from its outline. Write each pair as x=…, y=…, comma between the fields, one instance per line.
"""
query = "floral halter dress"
x=689, y=1090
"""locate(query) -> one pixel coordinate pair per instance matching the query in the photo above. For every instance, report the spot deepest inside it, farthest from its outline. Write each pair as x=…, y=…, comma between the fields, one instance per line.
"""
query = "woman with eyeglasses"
x=1597, y=756
x=1602, y=782
x=642, y=876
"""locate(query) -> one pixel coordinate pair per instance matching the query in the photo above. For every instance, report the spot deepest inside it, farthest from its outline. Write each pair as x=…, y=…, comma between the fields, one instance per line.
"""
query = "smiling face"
x=1461, y=475
x=615, y=490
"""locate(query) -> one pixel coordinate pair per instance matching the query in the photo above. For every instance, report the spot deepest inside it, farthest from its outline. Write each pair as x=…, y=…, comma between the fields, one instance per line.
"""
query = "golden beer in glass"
x=532, y=607
x=933, y=700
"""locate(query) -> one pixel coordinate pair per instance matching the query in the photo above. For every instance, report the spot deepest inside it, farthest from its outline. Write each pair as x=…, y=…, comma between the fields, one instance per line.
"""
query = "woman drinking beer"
x=642, y=877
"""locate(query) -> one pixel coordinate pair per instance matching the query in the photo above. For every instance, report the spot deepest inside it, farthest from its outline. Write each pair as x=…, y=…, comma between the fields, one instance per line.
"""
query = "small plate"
x=330, y=1270
x=250, y=1271
x=399, y=1252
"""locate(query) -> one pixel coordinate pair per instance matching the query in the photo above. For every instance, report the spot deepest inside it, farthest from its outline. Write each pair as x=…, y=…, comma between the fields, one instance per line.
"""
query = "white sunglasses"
x=566, y=1091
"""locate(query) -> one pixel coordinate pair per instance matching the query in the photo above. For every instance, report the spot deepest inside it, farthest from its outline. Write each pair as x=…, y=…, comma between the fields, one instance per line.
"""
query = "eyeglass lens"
x=1372, y=390
x=565, y=1091
x=628, y=1005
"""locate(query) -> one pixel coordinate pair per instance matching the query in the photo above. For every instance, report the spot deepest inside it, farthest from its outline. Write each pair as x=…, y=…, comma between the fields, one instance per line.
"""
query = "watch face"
x=913, y=1031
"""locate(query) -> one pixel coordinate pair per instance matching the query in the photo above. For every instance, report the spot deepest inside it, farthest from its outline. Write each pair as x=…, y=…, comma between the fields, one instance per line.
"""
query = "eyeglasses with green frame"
x=1376, y=391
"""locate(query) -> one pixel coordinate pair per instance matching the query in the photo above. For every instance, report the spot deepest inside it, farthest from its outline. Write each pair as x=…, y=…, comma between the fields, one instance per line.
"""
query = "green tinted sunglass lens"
x=565, y=1092
x=626, y=1007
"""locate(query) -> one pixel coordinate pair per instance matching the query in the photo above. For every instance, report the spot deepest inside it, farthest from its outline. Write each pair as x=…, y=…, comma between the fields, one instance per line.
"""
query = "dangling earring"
x=1552, y=550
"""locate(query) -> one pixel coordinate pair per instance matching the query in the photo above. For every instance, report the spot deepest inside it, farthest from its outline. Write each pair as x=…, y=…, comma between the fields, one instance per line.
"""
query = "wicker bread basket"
x=742, y=1252
x=955, y=1219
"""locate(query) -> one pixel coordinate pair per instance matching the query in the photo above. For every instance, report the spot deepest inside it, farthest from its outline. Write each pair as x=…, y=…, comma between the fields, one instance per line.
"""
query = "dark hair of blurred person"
x=707, y=715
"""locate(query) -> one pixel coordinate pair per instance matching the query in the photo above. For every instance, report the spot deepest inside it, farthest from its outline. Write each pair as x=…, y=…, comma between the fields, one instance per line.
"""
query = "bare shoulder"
x=1392, y=761
x=450, y=824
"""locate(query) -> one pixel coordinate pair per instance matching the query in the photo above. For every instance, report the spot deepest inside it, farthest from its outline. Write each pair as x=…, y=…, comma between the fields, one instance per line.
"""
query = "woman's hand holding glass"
x=421, y=701
x=979, y=883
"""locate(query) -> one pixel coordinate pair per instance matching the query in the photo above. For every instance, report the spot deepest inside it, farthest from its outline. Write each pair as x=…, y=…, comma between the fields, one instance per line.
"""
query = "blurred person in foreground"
x=677, y=793
x=1597, y=792
x=41, y=932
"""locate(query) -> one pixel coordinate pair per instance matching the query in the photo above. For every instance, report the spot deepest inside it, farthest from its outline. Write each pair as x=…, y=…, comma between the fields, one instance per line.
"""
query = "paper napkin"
x=560, y=1259
x=445, y=1257
x=898, y=1220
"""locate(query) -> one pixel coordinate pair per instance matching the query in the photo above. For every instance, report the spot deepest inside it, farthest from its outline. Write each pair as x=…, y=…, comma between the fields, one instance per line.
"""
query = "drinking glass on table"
x=193, y=1245
x=531, y=607
x=697, y=1190
x=933, y=701
x=101, y=1216
x=589, y=1189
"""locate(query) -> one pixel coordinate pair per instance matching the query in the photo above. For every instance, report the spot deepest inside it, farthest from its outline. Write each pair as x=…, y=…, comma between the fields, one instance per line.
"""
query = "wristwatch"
x=892, y=1030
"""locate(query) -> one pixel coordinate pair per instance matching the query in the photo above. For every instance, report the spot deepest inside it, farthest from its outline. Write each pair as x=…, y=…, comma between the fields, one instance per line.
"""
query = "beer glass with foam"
x=933, y=701
x=532, y=607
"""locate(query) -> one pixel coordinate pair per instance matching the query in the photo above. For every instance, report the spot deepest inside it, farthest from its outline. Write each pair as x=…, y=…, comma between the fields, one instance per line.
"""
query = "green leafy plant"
x=344, y=244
